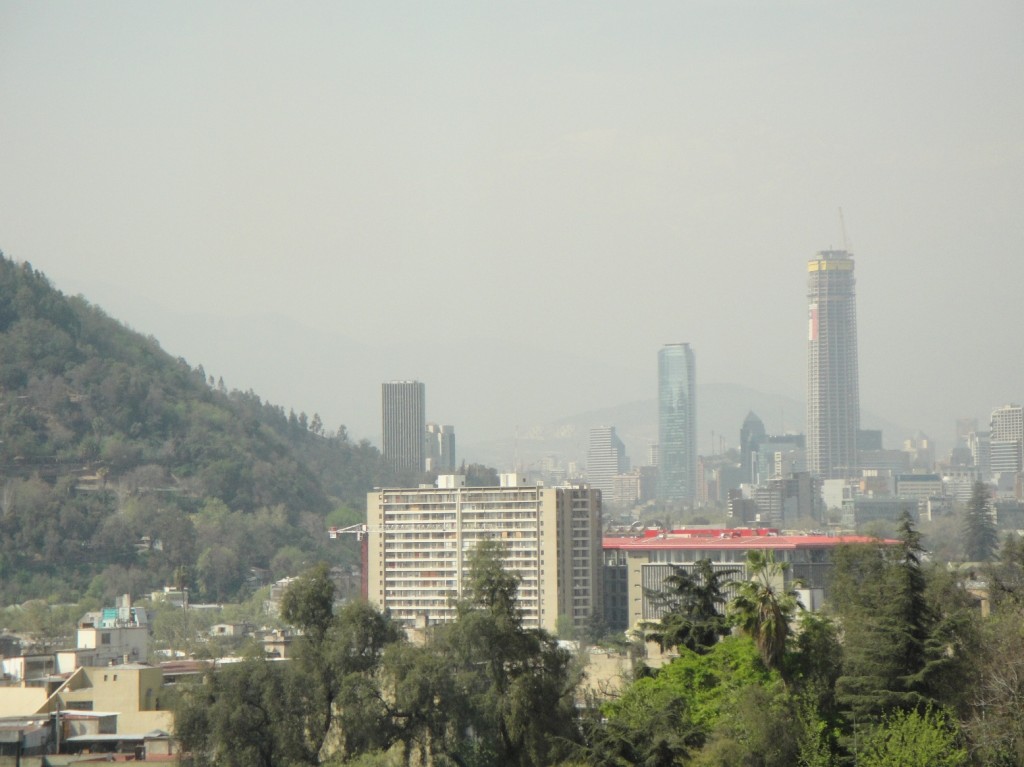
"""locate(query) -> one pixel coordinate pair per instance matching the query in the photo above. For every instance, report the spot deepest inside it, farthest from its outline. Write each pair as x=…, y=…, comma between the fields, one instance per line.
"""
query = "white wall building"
x=1006, y=440
x=113, y=635
x=419, y=542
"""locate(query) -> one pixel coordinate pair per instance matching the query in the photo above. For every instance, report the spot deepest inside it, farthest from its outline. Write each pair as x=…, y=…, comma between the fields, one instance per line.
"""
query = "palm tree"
x=763, y=607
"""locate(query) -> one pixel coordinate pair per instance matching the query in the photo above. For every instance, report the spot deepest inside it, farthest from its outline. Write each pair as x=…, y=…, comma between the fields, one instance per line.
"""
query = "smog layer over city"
x=474, y=384
x=519, y=205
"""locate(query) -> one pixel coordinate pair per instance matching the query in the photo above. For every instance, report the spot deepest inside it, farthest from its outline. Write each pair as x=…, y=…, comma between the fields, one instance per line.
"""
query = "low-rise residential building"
x=113, y=635
x=636, y=566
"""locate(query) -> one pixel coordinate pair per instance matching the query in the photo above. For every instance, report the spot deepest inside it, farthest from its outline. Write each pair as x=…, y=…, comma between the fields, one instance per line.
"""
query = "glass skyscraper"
x=677, y=423
x=833, y=391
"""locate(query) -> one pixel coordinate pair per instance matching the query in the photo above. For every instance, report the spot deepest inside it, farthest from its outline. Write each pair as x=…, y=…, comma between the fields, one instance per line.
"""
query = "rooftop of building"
x=743, y=539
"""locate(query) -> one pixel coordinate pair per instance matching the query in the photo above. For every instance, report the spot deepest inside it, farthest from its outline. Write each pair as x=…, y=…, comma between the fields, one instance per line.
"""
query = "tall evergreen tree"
x=694, y=608
x=979, y=530
x=887, y=622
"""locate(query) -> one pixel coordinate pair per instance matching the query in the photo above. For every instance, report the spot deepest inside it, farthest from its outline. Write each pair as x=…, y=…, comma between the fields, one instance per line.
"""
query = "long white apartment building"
x=419, y=542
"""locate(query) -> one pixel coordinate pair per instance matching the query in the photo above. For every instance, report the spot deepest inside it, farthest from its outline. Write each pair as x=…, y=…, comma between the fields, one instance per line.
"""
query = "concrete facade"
x=404, y=425
x=833, y=389
x=419, y=543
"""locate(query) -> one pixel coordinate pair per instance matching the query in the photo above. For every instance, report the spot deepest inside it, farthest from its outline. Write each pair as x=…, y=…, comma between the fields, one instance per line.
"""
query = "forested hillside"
x=123, y=468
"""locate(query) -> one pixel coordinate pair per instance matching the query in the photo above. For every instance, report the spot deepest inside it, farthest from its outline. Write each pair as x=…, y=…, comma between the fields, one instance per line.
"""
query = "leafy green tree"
x=759, y=728
x=218, y=573
x=817, y=660
x=240, y=716
x=815, y=736
x=928, y=738
x=995, y=723
x=981, y=541
x=694, y=608
x=308, y=602
x=346, y=665
x=667, y=717
x=512, y=690
x=662, y=737
x=763, y=608
x=478, y=475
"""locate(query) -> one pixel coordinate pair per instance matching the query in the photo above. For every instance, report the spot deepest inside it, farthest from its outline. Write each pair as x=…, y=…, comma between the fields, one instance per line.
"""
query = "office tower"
x=980, y=444
x=751, y=434
x=833, y=392
x=677, y=423
x=420, y=540
x=606, y=459
x=778, y=456
x=403, y=408
x=440, y=448
x=1006, y=440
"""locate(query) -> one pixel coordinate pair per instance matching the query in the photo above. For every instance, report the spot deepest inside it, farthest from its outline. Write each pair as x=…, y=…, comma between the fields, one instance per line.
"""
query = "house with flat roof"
x=635, y=565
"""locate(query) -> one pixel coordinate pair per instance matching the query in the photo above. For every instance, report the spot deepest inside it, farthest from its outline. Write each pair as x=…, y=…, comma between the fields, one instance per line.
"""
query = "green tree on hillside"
x=981, y=540
x=111, y=446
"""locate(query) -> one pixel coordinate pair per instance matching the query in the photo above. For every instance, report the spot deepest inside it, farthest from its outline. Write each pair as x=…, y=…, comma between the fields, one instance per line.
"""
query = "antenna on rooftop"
x=842, y=229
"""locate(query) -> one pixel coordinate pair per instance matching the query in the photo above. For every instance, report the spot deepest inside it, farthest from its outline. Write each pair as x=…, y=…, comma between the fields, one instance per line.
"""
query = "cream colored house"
x=131, y=690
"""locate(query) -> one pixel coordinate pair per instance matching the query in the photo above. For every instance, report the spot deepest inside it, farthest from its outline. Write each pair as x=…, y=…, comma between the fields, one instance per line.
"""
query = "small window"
x=105, y=637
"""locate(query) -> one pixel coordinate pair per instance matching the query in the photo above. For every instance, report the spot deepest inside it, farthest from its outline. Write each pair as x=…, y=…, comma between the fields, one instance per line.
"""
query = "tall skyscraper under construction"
x=677, y=423
x=833, y=391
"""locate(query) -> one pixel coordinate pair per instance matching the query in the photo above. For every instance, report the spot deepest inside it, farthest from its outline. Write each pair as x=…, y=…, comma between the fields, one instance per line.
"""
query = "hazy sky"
x=589, y=178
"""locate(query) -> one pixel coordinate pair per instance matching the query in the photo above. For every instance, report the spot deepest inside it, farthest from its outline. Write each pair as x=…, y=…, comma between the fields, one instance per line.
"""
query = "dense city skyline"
x=311, y=203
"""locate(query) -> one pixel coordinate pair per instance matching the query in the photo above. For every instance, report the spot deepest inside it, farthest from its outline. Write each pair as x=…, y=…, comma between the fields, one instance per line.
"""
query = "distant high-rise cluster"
x=440, y=448
x=403, y=410
x=606, y=459
x=410, y=443
x=833, y=391
x=677, y=423
x=751, y=434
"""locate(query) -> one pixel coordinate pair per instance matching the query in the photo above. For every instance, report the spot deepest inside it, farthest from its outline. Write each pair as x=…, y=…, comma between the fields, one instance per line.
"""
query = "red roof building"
x=635, y=565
